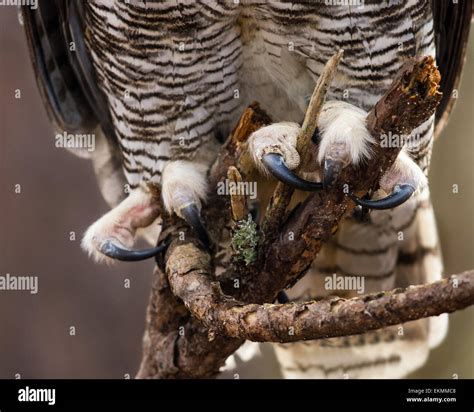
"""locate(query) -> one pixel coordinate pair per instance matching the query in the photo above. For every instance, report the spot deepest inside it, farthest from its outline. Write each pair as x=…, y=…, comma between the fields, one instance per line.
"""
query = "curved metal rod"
x=400, y=194
x=115, y=251
x=276, y=165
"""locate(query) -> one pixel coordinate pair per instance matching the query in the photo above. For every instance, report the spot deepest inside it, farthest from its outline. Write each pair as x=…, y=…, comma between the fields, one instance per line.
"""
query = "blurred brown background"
x=59, y=195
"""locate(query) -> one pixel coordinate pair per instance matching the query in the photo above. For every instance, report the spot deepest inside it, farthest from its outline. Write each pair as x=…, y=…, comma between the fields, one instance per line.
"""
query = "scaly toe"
x=277, y=138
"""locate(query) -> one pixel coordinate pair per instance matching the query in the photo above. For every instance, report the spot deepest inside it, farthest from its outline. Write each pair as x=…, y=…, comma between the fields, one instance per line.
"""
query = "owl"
x=160, y=84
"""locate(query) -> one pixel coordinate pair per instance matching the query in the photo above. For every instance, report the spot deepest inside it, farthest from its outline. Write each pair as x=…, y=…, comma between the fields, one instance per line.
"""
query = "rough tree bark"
x=189, y=273
x=179, y=344
x=176, y=345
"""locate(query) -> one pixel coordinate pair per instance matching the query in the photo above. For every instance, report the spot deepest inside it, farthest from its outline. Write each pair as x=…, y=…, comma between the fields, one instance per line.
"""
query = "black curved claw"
x=113, y=250
x=282, y=297
x=276, y=165
x=316, y=138
x=400, y=194
x=254, y=209
x=331, y=171
x=361, y=214
x=192, y=217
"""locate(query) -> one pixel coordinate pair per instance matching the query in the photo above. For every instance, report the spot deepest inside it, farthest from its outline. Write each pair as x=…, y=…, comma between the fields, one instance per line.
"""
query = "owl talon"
x=401, y=181
x=331, y=171
x=113, y=235
x=361, y=214
x=400, y=194
x=191, y=215
x=114, y=250
x=344, y=139
x=282, y=297
x=275, y=164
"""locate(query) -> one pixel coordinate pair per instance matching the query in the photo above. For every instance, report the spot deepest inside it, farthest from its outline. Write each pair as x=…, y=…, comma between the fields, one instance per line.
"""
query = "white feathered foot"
x=343, y=139
x=113, y=235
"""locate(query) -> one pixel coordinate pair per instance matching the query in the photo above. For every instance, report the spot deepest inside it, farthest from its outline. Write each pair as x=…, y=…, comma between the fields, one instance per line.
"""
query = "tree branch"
x=198, y=349
x=282, y=194
x=175, y=345
x=410, y=101
x=188, y=270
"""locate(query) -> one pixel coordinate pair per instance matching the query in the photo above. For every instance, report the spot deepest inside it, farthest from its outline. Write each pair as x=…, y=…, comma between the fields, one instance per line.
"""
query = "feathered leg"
x=112, y=236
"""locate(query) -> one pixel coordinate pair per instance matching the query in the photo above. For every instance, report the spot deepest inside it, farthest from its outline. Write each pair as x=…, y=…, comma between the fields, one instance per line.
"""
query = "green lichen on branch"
x=245, y=240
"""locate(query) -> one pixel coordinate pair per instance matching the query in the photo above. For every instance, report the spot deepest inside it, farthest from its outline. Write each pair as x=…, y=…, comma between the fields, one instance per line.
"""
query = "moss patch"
x=245, y=240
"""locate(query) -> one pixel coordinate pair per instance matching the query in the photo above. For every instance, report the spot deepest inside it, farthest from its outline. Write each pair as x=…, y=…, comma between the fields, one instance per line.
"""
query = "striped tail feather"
x=388, y=353
x=402, y=248
x=420, y=261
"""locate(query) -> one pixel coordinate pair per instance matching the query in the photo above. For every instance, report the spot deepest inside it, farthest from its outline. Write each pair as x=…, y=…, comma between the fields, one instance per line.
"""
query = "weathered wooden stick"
x=292, y=322
x=410, y=101
x=175, y=345
x=238, y=201
x=282, y=194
